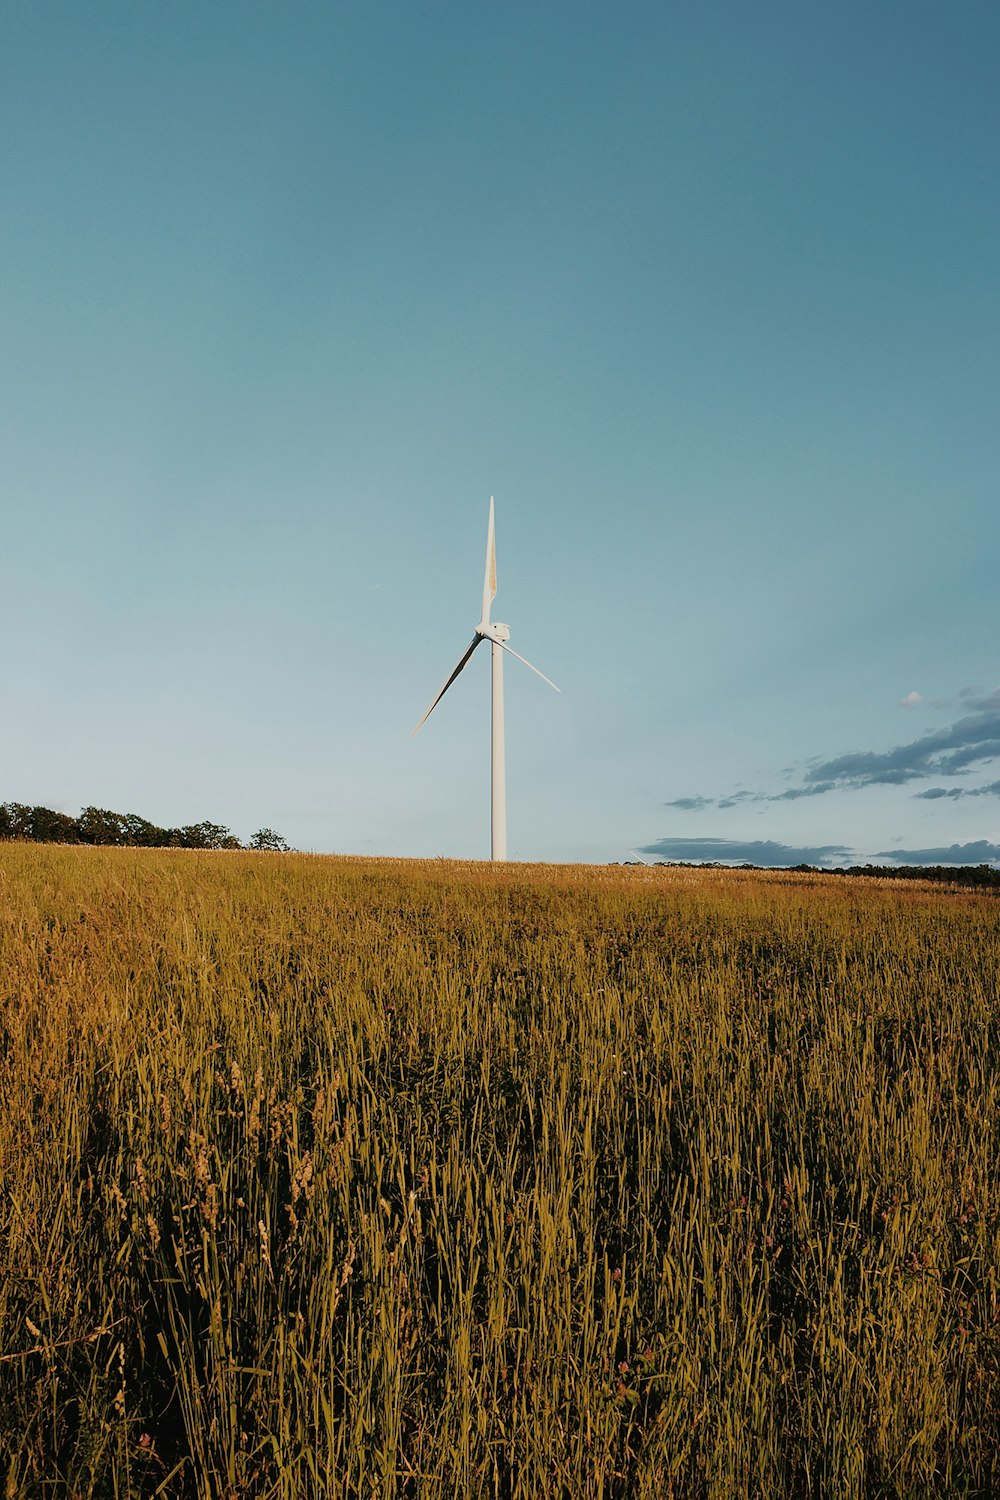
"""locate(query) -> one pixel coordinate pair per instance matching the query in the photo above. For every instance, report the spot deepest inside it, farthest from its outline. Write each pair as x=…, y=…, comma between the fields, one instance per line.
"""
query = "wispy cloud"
x=980, y=852
x=737, y=798
x=763, y=852
x=933, y=793
x=911, y=700
x=970, y=742
x=973, y=739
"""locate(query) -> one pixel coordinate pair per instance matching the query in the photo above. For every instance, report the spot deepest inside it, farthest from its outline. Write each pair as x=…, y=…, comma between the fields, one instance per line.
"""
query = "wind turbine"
x=498, y=636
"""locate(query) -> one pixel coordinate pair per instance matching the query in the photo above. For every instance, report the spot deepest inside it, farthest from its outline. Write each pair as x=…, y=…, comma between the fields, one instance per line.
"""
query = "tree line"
x=98, y=825
x=979, y=875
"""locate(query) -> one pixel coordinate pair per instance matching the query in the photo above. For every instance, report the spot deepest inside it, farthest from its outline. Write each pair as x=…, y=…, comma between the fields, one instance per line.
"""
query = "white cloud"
x=911, y=700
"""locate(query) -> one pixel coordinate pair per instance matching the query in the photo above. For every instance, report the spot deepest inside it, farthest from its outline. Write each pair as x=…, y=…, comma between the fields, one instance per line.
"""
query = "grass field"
x=326, y=1177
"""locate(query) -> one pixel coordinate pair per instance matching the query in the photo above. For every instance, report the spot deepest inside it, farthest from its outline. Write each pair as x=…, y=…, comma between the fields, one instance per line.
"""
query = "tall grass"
x=339, y=1178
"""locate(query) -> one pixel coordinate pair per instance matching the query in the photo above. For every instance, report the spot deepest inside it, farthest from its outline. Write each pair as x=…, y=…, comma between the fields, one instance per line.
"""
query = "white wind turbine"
x=498, y=636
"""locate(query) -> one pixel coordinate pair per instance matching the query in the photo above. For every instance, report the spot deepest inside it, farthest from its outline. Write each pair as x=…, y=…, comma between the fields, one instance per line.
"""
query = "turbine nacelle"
x=488, y=631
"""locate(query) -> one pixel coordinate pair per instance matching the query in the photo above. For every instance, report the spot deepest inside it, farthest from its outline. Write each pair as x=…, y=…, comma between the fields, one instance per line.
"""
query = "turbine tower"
x=498, y=636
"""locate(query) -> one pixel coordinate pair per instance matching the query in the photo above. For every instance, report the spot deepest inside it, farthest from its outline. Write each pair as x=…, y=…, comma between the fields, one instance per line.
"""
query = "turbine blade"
x=475, y=642
x=527, y=663
x=490, y=580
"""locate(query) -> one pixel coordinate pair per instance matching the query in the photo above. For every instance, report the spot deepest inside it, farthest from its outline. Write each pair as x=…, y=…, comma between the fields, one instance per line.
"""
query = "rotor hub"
x=493, y=631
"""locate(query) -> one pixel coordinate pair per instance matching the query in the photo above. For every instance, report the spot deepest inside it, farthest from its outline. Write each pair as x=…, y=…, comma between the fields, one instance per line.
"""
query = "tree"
x=49, y=827
x=40, y=824
x=98, y=825
x=142, y=834
x=204, y=836
x=267, y=839
x=15, y=821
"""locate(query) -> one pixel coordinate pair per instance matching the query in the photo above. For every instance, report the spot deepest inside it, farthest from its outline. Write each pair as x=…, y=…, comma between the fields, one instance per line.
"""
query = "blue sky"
x=705, y=295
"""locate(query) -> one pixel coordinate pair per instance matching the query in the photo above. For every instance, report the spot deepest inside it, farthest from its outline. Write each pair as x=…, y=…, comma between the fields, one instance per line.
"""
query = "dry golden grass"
x=329, y=1177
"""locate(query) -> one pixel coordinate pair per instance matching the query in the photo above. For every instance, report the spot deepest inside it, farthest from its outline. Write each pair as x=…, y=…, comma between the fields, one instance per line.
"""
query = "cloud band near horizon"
x=773, y=855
